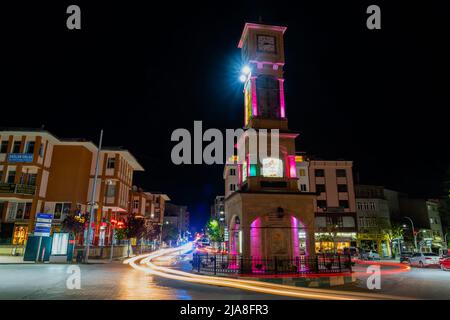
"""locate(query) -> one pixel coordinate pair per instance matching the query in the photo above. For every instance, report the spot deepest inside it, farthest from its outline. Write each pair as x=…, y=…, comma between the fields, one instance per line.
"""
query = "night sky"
x=377, y=97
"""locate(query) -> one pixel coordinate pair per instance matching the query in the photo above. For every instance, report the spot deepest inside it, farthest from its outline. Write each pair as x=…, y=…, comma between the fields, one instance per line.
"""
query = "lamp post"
x=445, y=239
x=94, y=187
x=414, y=234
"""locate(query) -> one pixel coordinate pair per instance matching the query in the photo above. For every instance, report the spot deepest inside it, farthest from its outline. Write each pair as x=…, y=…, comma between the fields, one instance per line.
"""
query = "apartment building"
x=43, y=173
x=334, y=205
x=218, y=209
x=373, y=217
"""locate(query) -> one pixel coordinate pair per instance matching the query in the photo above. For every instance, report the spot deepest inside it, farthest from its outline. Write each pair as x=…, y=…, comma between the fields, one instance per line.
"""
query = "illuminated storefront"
x=20, y=235
x=329, y=242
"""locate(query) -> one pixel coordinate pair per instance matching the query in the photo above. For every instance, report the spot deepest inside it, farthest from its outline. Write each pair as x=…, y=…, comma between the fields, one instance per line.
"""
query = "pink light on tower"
x=295, y=245
x=282, y=105
x=254, y=99
x=292, y=167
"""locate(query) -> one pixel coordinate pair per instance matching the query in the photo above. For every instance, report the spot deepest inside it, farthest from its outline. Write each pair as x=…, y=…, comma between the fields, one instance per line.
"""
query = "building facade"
x=424, y=214
x=373, y=219
x=334, y=206
x=46, y=174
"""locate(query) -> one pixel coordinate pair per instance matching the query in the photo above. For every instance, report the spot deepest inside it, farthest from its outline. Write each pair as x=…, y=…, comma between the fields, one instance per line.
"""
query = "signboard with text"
x=43, y=224
x=20, y=157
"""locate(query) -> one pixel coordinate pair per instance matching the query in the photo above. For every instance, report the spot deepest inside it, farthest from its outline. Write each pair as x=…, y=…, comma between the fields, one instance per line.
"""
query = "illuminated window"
x=272, y=167
x=244, y=171
x=302, y=172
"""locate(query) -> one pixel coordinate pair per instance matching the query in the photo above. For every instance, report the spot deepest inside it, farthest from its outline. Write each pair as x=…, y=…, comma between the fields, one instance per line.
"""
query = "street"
x=106, y=281
x=120, y=281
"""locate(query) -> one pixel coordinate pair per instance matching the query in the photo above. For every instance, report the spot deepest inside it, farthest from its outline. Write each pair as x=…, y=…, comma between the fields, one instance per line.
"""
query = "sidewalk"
x=19, y=260
x=13, y=260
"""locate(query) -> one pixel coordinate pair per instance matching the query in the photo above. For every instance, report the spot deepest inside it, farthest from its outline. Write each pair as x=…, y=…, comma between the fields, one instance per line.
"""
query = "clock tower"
x=263, y=51
x=267, y=216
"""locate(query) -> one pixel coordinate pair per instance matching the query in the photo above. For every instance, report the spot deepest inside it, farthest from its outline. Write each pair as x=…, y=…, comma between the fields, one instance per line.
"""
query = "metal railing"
x=234, y=264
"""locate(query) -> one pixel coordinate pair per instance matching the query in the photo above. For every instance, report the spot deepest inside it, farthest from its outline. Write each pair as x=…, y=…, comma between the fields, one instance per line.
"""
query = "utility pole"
x=94, y=187
x=414, y=234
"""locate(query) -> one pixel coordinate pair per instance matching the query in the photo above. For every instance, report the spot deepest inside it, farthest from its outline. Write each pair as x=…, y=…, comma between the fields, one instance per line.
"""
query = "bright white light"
x=246, y=70
x=242, y=78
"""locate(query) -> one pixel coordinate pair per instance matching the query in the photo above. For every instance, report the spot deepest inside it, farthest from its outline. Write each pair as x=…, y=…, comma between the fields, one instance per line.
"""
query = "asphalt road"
x=118, y=281
x=106, y=281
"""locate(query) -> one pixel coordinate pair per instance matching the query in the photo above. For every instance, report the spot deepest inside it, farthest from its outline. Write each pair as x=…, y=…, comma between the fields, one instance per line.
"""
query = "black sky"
x=379, y=98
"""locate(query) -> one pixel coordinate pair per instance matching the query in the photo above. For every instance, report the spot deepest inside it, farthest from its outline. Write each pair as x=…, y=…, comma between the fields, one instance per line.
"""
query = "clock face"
x=266, y=44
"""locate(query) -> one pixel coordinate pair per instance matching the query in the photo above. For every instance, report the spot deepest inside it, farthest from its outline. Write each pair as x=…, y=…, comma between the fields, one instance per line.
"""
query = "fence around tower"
x=235, y=264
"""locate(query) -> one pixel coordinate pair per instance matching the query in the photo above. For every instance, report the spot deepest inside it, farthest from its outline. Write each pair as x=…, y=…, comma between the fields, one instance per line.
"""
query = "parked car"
x=369, y=255
x=445, y=263
x=424, y=259
x=404, y=256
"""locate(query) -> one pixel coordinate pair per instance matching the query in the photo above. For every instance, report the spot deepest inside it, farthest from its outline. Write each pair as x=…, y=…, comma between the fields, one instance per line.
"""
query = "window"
x=232, y=187
x=16, y=147
x=343, y=204
x=232, y=172
x=341, y=173
x=1, y=176
x=32, y=179
x=272, y=167
x=111, y=163
x=136, y=204
x=20, y=210
x=303, y=187
x=301, y=172
x=319, y=173
x=372, y=205
x=4, y=147
x=342, y=188
x=320, y=188
x=110, y=190
x=30, y=147
x=11, y=176
x=27, y=212
x=322, y=204
x=41, y=150
x=61, y=210
x=268, y=96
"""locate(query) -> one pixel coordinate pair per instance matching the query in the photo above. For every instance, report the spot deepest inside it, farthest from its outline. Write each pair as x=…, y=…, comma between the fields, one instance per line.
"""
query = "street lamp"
x=414, y=234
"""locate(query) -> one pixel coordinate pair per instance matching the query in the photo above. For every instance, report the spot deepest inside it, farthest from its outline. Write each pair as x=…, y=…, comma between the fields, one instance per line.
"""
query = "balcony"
x=13, y=188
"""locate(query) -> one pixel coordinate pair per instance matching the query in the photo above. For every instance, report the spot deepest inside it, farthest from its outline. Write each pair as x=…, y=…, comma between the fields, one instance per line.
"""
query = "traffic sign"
x=43, y=224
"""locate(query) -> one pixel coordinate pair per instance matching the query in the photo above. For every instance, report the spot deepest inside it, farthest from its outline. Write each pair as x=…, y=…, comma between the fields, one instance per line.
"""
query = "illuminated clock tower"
x=267, y=216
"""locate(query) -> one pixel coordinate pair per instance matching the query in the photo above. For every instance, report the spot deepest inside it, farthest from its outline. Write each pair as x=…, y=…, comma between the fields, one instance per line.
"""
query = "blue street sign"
x=44, y=216
x=42, y=229
x=20, y=157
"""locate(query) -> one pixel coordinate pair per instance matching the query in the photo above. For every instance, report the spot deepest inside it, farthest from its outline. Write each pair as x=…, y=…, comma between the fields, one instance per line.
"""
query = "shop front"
x=375, y=242
x=328, y=242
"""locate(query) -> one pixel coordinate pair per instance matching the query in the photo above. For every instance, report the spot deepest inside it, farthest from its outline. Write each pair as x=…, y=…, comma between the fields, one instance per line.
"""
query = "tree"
x=214, y=231
x=135, y=227
x=169, y=232
x=74, y=223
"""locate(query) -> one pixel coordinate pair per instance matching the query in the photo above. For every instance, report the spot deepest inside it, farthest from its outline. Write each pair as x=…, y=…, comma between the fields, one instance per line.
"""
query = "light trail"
x=250, y=285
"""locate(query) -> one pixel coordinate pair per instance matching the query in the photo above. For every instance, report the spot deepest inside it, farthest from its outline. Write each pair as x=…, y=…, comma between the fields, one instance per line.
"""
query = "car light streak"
x=250, y=285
